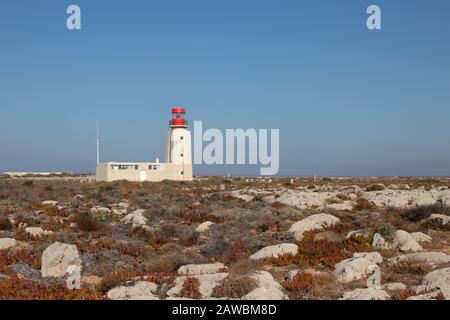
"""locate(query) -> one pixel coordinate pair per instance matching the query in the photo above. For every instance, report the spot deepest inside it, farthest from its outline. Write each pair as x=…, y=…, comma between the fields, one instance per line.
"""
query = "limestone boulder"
x=430, y=258
x=199, y=269
x=203, y=227
x=267, y=288
x=207, y=284
x=313, y=222
x=438, y=279
x=403, y=241
x=57, y=258
x=8, y=243
x=141, y=290
x=37, y=231
x=366, y=294
x=356, y=268
x=275, y=251
x=421, y=237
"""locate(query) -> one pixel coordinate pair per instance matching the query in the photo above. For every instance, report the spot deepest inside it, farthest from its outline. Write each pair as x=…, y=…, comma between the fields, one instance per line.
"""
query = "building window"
x=124, y=167
x=182, y=172
x=181, y=155
x=154, y=167
x=181, y=137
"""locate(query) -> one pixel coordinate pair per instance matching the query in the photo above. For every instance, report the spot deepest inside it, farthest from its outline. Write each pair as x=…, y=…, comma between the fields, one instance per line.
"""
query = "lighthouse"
x=178, y=164
x=178, y=150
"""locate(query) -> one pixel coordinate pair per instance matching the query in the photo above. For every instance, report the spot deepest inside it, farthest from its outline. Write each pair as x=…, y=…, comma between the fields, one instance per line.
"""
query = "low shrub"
x=364, y=204
x=424, y=212
x=5, y=224
x=234, y=286
x=191, y=288
x=86, y=223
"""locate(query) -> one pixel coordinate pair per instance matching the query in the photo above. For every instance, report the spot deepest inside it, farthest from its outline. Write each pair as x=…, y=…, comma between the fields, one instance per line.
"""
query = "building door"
x=143, y=175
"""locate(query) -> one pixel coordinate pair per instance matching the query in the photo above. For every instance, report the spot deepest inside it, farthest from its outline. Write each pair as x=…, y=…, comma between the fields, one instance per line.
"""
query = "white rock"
x=98, y=209
x=57, y=258
x=198, y=269
x=421, y=237
x=358, y=233
x=431, y=258
x=404, y=242
x=37, y=231
x=268, y=288
x=345, y=206
x=7, y=243
x=202, y=227
x=136, y=219
x=141, y=290
x=366, y=294
x=314, y=222
x=394, y=286
x=80, y=197
x=439, y=219
x=378, y=241
x=356, y=268
x=275, y=251
x=426, y=296
x=50, y=203
x=207, y=284
x=439, y=279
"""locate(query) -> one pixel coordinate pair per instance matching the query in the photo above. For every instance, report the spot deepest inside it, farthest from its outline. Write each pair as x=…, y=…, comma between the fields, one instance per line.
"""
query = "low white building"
x=178, y=165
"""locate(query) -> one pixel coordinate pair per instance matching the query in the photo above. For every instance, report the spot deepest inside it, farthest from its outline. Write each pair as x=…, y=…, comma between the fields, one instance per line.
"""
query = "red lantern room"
x=178, y=120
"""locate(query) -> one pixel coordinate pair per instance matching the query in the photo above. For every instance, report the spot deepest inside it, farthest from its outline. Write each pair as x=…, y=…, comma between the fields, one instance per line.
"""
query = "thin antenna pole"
x=98, y=146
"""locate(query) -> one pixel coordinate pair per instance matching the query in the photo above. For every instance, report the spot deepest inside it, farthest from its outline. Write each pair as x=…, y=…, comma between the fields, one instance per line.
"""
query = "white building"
x=178, y=165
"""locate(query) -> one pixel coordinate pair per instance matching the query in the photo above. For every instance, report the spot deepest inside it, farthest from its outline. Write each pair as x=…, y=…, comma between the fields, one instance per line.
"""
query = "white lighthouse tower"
x=178, y=165
x=178, y=151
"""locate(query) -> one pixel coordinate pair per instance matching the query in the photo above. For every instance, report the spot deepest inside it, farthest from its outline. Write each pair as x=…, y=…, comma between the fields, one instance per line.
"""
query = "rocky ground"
x=219, y=238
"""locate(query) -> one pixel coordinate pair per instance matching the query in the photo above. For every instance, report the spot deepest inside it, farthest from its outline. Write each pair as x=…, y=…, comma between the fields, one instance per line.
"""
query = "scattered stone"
x=50, y=203
x=438, y=279
x=366, y=294
x=80, y=197
x=439, y=219
x=202, y=227
x=268, y=288
x=426, y=296
x=430, y=258
x=207, y=284
x=198, y=269
x=7, y=243
x=37, y=231
x=421, y=237
x=275, y=251
x=379, y=242
x=141, y=290
x=136, y=219
x=404, y=242
x=98, y=209
x=356, y=268
x=394, y=286
x=57, y=258
x=358, y=233
x=314, y=222
x=316, y=273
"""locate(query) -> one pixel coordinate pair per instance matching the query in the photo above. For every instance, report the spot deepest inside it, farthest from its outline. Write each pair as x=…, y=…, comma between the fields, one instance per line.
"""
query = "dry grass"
x=234, y=286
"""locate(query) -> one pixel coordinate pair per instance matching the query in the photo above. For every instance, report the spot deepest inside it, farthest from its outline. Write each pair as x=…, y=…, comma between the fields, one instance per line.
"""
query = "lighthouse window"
x=182, y=172
x=181, y=138
x=181, y=155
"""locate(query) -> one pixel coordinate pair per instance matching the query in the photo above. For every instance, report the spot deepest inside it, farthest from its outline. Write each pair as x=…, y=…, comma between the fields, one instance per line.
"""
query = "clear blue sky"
x=347, y=101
